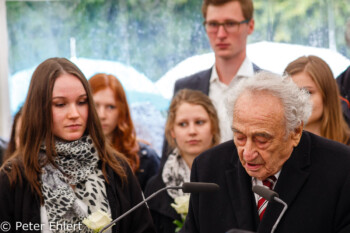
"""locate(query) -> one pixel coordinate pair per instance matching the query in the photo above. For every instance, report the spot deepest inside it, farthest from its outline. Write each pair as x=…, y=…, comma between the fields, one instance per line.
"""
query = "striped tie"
x=262, y=203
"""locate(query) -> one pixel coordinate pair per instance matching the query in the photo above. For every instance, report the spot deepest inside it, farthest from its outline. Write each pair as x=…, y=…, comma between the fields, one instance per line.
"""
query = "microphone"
x=197, y=187
x=266, y=193
x=187, y=187
x=270, y=195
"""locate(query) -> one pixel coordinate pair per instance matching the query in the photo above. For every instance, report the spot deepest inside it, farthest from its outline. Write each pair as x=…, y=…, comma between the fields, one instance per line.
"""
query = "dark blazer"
x=314, y=182
x=149, y=164
x=199, y=81
x=20, y=204
x=162, y=213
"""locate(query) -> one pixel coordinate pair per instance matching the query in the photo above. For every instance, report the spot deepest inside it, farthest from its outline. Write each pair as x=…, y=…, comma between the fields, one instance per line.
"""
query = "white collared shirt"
x=255, y=181
x=218, y=93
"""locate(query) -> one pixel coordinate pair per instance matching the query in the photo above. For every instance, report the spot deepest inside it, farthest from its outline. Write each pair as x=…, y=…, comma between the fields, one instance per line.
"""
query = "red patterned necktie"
x=262, y=203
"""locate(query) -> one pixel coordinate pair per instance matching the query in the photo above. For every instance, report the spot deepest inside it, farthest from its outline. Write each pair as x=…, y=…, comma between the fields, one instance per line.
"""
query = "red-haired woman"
x=113, y=111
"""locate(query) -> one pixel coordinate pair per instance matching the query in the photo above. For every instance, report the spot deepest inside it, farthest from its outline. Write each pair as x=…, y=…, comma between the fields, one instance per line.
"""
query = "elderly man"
x=311, y=174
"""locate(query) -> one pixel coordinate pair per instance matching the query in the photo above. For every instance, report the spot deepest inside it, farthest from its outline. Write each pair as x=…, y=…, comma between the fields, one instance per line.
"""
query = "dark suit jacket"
x=314, y=182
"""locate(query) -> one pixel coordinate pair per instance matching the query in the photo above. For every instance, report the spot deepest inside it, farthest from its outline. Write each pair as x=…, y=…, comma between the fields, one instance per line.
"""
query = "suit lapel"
x=239, y=186
x=294, y=174
x=204, y=84
x=256, y=68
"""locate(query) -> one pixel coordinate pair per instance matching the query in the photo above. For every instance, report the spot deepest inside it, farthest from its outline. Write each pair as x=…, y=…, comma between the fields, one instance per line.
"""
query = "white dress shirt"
x=255, y=181
x=218, y=93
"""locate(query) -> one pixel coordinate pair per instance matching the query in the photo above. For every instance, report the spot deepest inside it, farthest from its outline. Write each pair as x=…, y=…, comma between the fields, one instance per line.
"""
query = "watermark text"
x=52, y=226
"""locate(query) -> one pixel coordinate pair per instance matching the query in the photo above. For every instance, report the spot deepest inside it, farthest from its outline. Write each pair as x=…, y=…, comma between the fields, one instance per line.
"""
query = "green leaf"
x=179, y=225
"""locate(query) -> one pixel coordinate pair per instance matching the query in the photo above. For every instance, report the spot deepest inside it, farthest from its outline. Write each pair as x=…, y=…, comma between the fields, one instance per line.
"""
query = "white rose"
x=181, y=204
x=97, y=220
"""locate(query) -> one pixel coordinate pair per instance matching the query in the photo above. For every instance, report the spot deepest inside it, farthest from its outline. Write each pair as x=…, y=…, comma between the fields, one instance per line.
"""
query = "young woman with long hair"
x=326, y=120
x=62, y=170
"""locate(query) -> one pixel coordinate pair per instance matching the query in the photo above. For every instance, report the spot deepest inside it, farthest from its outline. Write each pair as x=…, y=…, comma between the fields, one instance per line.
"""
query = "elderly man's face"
x=260, y=136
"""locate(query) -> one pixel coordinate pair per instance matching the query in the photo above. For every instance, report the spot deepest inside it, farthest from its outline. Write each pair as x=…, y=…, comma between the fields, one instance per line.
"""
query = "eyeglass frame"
x=224, y=24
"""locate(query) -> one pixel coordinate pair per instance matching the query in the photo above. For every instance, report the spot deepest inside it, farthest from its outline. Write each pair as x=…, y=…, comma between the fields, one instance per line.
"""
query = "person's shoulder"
x=123, y=165
x=147, y=151
x=323, y=148
x=326, y=144
x=218, y=155
x=12, y=170
x=343, y=75
x=194, y=77
x=123, y=162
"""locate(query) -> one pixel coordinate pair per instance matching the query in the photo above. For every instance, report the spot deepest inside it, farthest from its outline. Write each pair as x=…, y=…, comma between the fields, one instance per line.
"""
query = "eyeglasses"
x=230, y=26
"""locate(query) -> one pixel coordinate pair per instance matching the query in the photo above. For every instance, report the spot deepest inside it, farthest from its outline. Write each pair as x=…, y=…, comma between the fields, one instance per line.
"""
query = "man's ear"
x=296, y=134
x=251, y=25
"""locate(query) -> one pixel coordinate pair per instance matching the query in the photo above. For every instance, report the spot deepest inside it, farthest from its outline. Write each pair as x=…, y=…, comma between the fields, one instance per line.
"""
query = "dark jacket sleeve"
x=18, y=204
x=190, y=225
x=149, y=164
x=122, y=197
x=6, y=201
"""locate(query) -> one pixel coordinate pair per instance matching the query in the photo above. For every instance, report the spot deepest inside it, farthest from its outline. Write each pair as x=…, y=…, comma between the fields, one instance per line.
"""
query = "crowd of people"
x=73, y=149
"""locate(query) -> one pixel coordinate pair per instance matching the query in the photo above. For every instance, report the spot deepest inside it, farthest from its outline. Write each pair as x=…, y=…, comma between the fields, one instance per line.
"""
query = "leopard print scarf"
x=175, y=173
x=78, y=166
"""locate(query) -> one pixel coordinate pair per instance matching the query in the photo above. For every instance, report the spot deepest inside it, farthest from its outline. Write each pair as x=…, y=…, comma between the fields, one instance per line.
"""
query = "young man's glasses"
x=230, y=26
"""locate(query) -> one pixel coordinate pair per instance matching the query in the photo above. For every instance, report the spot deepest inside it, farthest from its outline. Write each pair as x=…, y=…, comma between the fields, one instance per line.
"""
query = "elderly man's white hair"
x=296, y=101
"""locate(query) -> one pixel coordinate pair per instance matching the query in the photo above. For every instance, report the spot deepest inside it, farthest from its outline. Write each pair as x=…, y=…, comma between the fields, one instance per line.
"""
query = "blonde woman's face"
x=303, y=80
x=192, y=130
x=107, y=110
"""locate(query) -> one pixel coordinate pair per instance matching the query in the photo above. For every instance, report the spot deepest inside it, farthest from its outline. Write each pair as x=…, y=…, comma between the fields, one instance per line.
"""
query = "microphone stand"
x=285, y=206
x=138, y=205
x=270, y=195
x=187, y=187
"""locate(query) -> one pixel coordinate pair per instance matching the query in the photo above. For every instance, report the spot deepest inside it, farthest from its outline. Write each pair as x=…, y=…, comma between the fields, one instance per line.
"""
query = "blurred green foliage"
x=154, y=35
